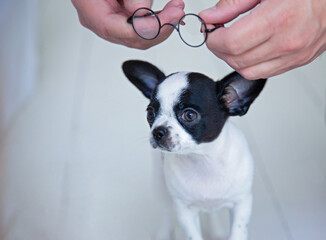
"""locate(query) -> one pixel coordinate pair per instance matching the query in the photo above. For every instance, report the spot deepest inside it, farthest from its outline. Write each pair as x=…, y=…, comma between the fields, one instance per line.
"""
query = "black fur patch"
x=201, y=96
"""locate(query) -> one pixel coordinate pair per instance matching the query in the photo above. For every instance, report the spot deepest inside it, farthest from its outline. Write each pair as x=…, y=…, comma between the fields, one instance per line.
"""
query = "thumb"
x=132, y=5
x=227, y=10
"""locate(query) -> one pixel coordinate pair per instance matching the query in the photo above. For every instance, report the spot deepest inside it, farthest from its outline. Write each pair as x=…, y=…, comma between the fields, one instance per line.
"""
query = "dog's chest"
x=199, y=183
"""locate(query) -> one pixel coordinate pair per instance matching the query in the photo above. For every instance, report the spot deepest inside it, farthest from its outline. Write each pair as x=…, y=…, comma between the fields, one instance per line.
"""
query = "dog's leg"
x=240, y=218
x=189, y=221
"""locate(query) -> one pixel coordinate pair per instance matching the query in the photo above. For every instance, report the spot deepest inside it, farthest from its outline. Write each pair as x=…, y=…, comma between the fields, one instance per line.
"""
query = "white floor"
x=76, y=163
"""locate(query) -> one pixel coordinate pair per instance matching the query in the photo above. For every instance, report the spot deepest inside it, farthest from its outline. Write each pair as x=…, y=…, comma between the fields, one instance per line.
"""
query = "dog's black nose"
x=159, y=133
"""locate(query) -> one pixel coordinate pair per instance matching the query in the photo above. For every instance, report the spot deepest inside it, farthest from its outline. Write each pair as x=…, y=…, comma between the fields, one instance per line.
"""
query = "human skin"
x=276, y=36
x=108, y=19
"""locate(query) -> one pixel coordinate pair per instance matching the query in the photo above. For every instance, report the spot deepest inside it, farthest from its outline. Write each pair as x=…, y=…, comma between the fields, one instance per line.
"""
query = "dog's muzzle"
x=161, y=138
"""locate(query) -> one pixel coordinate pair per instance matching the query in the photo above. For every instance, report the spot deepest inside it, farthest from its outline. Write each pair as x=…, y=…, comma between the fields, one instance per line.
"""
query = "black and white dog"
x=207, y=162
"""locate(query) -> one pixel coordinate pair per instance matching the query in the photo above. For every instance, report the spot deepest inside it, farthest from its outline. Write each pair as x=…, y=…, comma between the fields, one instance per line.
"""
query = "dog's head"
x=188, y=108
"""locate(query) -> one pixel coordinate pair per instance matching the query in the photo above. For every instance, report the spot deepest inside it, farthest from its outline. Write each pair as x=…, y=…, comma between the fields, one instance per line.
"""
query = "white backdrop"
x=19, y=54
x=76, y=163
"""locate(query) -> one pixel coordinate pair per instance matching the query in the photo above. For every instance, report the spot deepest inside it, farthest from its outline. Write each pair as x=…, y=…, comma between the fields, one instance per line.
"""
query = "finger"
x=243, y=35
x=275, y=47
x=132, y=5
x=93, y=12
x=148, y=24
x=175, y=3
x=283, y=64
x=265, y=70
x=264, y=52
x=270, y=68
x=82, y=20
x=171, y=13
x=116, y=25
x=227, y=10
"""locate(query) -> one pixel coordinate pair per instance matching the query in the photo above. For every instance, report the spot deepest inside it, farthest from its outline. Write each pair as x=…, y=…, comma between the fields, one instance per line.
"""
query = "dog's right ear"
x=237, y=93
x=143, y=75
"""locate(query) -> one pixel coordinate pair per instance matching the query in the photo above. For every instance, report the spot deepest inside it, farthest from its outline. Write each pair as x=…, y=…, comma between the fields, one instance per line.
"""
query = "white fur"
x=206, y=176
x=169, y=92
x=217, y=174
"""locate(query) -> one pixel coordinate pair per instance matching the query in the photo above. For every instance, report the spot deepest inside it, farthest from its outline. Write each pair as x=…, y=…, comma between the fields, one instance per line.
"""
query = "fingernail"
x=209, y=10
x=133, y=5
x=174, y=3
x=140, y=3
x=179, y=3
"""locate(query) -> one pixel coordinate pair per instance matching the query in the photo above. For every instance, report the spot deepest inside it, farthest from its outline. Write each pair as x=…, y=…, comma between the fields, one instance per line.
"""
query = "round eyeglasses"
x=191, y=28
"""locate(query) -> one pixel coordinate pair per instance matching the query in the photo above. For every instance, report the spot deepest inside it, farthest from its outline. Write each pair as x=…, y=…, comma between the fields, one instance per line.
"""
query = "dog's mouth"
x=167, y=146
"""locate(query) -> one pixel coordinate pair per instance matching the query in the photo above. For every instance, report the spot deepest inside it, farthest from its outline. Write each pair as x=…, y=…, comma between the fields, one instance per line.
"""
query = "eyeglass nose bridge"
x=171, y=25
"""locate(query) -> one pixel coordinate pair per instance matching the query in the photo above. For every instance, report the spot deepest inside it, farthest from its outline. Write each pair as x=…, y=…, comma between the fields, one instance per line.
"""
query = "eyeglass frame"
x=176, y=27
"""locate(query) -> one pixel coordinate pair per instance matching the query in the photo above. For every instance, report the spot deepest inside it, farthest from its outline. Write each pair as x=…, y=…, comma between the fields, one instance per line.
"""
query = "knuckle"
x=248, y=73
x=83, y=22
x=235, y=63
x=131, y=43
x=295, y=44
x=142, y=46
x=126, y=39
x=102, y=33
x=285, y=17
x=73, y=3
x=233, y=46
x=210, y=45
x=304, y=58
x=215, y=51
x=285, y=22
x=230, y=45
x=233, y=3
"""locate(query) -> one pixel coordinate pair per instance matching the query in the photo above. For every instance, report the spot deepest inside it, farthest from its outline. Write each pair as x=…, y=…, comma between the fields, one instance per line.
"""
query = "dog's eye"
x=189, y=115
x=150, y=114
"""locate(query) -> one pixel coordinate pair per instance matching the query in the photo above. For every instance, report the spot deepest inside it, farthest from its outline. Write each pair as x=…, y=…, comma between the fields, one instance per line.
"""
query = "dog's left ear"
x=236, y=93
x=143, y=75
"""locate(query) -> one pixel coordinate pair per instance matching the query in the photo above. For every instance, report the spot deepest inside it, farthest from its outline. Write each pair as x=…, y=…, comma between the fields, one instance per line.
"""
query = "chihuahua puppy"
x=207, y=163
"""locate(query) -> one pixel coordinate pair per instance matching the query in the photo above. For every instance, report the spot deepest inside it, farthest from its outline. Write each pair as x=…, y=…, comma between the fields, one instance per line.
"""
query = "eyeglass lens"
x=146, y=23
x=191, y=30
x=191, y=27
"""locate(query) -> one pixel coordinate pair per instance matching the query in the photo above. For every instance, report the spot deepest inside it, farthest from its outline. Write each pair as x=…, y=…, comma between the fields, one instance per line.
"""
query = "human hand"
x=275, y=37
x=108, y=19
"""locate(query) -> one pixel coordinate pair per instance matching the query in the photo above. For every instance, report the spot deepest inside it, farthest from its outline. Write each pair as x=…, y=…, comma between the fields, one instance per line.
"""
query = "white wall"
x=76, y=163
x=18, y=55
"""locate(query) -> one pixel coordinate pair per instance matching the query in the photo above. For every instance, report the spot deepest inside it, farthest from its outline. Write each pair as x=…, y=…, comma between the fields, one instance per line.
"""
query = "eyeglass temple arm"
x=216, y=26
x=129, y=20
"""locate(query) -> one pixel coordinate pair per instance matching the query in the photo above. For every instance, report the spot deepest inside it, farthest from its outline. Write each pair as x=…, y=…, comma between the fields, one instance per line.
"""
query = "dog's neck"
x=212, y=159
x=215, y=148
x=212, y=153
